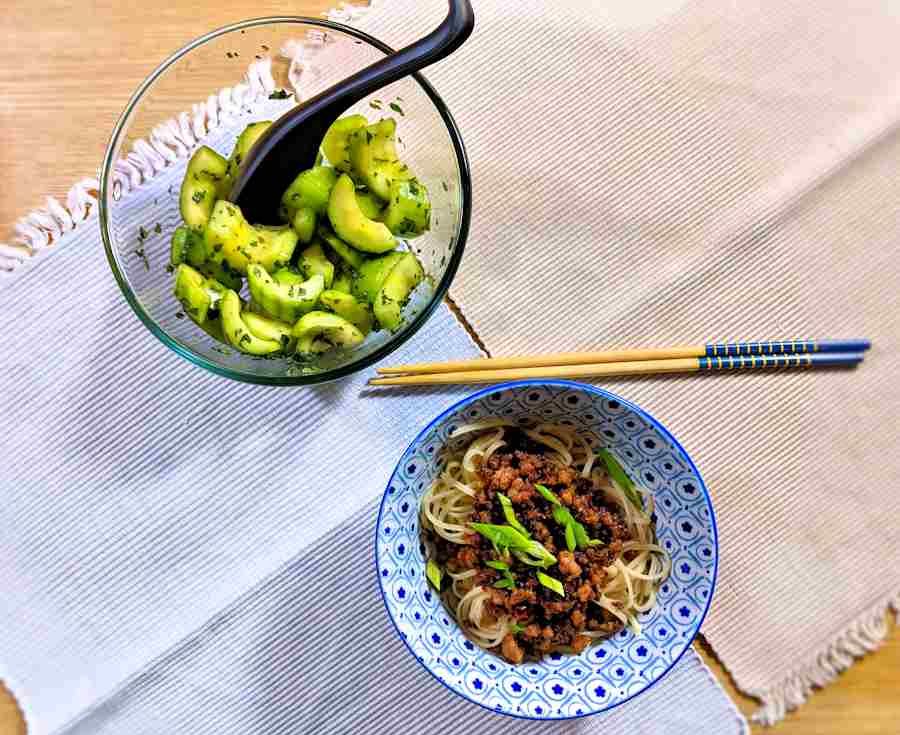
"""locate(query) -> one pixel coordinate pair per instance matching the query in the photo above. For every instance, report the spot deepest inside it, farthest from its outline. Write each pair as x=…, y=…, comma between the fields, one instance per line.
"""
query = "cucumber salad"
x=328, y=276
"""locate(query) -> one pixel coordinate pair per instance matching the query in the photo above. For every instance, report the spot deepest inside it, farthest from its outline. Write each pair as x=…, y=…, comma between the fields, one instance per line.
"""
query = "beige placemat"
x=682, y=171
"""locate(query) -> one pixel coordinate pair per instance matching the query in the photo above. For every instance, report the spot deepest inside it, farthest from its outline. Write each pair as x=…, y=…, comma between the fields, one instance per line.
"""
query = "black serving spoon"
x=291, y=143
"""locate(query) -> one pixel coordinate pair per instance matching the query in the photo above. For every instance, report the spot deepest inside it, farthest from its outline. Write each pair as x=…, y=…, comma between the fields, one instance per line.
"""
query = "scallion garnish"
x=434, y=574
x=551, y=584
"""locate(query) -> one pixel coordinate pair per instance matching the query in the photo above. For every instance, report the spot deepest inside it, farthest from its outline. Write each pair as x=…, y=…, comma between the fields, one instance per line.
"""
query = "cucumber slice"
x=288, y=277
x=304, y=224
x=343, y=281
x=187, y=247
x=370, y=205
x=313, y=260
x=345, y=252
x=284, y=301
x=374, y=159
x=242, y=146
x=192, y=291
x=231, y=239
x=408, y=212
x=199, y=190
x=351, y=225
x=335, y=144
x=312, y=188
x=372, y=275
x=222, y=273
x=394, y=294
x=319, y=331
x=266, y=328
x=343, y=304
x=236, y=331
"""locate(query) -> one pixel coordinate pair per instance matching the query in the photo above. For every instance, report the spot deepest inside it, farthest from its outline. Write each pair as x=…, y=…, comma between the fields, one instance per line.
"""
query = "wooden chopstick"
x=633, y=367
x=722, y=349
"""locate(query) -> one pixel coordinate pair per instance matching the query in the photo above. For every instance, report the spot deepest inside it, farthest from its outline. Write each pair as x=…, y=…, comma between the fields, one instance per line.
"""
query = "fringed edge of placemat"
x=864, y=635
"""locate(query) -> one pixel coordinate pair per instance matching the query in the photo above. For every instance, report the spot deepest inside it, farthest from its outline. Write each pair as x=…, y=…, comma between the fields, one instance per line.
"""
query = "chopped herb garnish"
x=198, y=196
x=434, y=574
x=396, y=108
x=375, y=104
x=570, y=538
x=510, y=515
x=515, y=628
x=142, y=234
x=499, y=565
x=245, y=338
x=158, y=228
x=551, y=584
x=279, y=94
x=143, y=256
x=179, y=315
x=444, y=184
x=618, y=475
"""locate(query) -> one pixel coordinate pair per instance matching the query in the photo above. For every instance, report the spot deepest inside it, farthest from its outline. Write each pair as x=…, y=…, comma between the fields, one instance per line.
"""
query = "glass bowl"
x=206, y=93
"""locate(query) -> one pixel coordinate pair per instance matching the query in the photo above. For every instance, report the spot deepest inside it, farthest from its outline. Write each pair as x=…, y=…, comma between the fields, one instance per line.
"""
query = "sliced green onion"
x=547, y=494
x=510, y=515
x=434, y=574
x=562, y=516
x=595, y=542
x=515, y=628
x=581, y=537
x=525, y=549
x=505, y=584
x=617, y=473
x=501, y=565
x=551, y=584
x=570, y=537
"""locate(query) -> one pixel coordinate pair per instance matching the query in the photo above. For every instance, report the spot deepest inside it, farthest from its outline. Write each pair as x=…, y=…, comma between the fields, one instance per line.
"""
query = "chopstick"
x=633, y=367
x=722, y=349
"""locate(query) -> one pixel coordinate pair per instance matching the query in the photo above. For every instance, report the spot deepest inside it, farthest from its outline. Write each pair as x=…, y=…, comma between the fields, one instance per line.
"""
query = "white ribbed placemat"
x=677, y=172
x=182, y=553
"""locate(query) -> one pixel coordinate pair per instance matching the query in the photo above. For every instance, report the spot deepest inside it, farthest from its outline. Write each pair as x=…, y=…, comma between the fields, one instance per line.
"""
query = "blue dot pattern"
x=604, y=675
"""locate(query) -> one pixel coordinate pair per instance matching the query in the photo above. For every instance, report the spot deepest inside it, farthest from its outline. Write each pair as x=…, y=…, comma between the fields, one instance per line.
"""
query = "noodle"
x=631, y=580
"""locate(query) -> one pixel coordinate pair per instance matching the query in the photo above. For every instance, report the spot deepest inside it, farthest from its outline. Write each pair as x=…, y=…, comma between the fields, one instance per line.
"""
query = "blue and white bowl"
x=604, y=675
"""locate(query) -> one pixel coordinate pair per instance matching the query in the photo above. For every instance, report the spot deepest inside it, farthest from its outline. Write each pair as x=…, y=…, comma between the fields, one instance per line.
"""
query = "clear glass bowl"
x=139, y=202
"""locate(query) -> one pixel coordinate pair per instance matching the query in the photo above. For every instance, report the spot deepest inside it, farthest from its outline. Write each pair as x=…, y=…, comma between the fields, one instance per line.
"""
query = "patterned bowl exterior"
x=604, y=675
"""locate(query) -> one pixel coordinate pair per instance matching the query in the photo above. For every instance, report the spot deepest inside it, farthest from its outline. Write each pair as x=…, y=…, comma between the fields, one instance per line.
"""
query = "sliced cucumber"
x=408, y=213
x=222, y=273
x=394, y=294
x=267, y=328
x=335, y=144
x=245, y=141
x=372, y=275
x=288, y=277
x=237, y=332
x=370, y=205
x=192, y=291
x=351, y=225
x=313, y=260
x=343, y=304
x=230, y=238
x=199, y=190
x=187, y=247
x=319, y=331
x=351, y=256
x=304, y=224
x=284, y=301
x=373, y=156
x=343, y=281
x=312, y=188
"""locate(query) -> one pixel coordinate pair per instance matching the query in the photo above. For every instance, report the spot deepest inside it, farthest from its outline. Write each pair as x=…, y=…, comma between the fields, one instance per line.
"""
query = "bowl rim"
x=440, y=290
x=656, y=424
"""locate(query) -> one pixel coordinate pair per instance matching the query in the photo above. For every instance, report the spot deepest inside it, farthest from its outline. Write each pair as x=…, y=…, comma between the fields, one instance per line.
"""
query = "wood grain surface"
x=66, y=71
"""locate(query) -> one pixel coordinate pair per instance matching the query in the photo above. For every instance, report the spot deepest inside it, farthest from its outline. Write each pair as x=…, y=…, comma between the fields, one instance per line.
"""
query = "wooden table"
x=66, y=72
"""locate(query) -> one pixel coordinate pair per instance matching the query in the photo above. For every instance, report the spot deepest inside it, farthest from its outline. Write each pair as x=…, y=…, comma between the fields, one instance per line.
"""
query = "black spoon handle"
x=290, y=143
x=442, y=41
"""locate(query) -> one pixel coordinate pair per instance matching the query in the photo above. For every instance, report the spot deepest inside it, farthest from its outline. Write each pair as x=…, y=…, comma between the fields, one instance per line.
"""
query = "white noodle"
x=630, y=585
